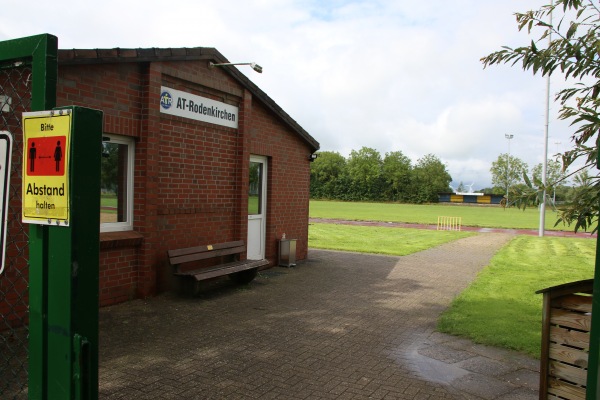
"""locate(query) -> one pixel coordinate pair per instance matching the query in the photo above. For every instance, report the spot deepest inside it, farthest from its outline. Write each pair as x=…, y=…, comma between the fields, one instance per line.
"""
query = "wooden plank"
x=569, y=355
x=207, y=255
x=220, y=267
x=571, y=338
x=230, y=269
x=584, y=286
x=574, y=302
x=566, y=390
x=200, y=249
x=223, y=269
x=570, y=319
x=544, y=357
x=221, y=272
x=569, y=373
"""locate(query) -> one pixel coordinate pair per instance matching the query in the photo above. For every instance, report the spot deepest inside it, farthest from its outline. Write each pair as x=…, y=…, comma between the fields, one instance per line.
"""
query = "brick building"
x=199, y=155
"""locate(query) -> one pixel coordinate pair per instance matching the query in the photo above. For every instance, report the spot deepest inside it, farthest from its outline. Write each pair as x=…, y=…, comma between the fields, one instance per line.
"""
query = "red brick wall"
x=117, y=90
x=288, y=180
x=118, y=275
x=190, y=177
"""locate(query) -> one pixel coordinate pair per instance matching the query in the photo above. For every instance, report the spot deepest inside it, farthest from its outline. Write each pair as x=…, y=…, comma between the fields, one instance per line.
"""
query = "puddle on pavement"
x=431, y=369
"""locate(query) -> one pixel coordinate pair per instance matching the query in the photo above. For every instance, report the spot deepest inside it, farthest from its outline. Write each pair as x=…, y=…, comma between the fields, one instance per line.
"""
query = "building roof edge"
x=154, y=54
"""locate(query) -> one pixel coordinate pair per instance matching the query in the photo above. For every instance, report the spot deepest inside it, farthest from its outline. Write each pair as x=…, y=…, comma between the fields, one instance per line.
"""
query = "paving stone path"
x=338, y=326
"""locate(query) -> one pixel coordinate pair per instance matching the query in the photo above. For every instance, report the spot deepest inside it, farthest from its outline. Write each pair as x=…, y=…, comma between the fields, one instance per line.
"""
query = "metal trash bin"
x=287, y=252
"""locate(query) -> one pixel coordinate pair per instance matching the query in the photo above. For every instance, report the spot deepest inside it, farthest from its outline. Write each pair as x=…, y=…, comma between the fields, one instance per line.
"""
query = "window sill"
x=112, y=240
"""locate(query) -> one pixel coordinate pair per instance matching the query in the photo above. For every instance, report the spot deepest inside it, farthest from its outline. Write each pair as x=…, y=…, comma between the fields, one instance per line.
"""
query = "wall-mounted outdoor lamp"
x=254, y=66
x=312, y=157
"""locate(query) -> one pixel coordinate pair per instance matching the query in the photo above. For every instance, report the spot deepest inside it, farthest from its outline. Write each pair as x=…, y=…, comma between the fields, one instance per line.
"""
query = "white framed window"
x=116, y=183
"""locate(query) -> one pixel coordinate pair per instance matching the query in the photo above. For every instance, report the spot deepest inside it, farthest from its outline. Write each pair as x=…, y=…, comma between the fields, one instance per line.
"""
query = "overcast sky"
x=390, y=75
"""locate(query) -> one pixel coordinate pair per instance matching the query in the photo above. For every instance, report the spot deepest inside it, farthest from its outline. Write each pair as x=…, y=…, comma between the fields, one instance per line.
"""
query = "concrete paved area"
x=338, y=326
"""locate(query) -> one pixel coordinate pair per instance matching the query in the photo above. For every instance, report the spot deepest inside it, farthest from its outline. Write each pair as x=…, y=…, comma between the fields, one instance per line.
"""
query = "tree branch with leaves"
x=573, y=52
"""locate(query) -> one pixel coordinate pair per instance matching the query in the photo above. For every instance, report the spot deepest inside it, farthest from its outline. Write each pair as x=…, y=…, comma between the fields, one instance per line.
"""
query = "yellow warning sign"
x=47, y=138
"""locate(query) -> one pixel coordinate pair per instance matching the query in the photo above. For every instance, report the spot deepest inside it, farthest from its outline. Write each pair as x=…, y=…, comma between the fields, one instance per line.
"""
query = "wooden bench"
x=225, y=260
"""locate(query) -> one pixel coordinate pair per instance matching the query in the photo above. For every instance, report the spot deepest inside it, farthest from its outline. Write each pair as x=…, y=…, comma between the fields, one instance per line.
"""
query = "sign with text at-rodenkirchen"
x=187, y=105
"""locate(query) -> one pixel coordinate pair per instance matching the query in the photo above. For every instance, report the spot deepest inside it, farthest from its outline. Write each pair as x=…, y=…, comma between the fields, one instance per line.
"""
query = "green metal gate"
x=28, y=73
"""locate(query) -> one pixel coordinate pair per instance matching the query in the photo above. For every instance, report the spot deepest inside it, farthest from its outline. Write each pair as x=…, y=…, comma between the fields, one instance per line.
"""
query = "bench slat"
x=206, y=255
x=202, y=249
x=179, y=257
x=223, y=269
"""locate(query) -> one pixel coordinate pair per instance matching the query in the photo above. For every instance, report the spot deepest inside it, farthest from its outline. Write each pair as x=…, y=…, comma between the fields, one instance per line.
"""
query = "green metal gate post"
x=592, y=388
x=592, y=392
x=42, y=51
x=70, y=257
x=77, y=269
x=63, y=261
x=64, y=205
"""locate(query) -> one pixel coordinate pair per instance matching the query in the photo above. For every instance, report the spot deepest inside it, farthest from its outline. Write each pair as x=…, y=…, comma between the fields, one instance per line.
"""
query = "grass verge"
x=379, y=240
x=500, y=308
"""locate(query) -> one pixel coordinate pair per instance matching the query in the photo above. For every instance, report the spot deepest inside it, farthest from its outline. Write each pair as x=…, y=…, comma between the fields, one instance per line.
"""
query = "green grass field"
x=108, y=200
x=482, y=216
x=108, y=206
x=379, y=240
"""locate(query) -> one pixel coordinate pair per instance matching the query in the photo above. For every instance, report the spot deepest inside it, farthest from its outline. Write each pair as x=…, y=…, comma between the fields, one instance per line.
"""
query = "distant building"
x=470, y=198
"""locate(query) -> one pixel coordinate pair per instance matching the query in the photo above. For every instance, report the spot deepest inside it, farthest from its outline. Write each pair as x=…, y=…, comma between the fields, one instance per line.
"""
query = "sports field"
x=482, y=216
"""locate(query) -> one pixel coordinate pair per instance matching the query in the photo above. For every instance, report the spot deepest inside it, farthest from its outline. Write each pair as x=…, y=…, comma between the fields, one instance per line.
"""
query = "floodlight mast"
x=508, y=137
x=542, y=226
x=253, y=65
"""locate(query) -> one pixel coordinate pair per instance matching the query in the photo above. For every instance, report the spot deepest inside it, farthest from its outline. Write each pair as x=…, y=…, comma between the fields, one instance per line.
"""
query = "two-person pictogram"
x=46, y=156
x=32, y=155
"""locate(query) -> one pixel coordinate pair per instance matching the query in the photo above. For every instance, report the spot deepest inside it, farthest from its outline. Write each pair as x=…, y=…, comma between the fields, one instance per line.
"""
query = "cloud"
x=399, y=75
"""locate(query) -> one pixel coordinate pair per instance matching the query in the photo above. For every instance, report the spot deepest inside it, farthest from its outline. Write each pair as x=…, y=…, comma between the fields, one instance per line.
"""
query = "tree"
x=327, y=174
x=572, y=52
x=430, y=177
x=507, y=171
x=578, y=209
x=554, y=173
x=555, y=176
x=493, y=190
x=109, y=168
x=395, y=171
x=364, y=169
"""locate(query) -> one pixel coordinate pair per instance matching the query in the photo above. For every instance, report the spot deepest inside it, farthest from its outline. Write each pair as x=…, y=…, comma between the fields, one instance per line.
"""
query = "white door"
x=257, y=213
